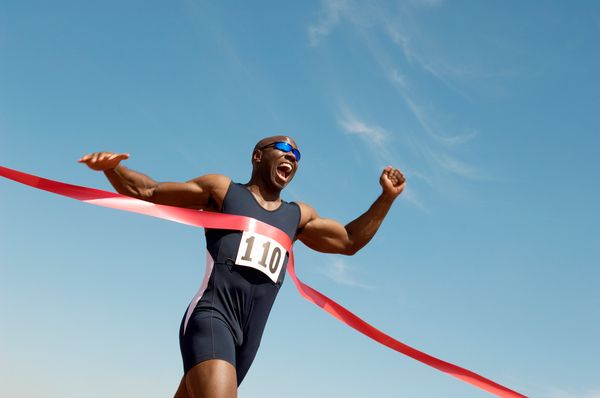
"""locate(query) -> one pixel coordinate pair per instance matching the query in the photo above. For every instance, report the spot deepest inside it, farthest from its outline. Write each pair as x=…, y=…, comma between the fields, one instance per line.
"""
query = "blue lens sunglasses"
x=284, y=147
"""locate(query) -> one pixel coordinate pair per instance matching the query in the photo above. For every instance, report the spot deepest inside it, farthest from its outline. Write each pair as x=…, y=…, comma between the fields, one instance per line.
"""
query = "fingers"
x=84, y=158
x=96, y=157
x=103, y=160
x=122, y=156
x=395, y=176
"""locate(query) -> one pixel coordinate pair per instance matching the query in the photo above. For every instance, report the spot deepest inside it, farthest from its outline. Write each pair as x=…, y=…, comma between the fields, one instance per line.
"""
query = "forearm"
x=362, y=229
x=131, y=183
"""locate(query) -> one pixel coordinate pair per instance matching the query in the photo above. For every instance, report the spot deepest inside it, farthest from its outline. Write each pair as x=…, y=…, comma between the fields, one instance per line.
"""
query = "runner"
x=222, y=327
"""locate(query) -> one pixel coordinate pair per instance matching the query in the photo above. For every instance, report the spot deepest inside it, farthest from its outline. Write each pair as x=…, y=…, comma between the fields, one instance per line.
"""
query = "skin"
x=216, y=378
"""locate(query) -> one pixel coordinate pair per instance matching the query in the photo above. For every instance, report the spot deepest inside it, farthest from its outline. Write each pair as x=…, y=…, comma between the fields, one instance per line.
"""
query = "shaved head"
x=269, y=140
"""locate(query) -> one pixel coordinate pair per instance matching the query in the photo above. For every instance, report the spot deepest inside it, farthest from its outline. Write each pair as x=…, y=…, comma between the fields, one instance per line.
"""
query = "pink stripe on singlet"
x=209, y=267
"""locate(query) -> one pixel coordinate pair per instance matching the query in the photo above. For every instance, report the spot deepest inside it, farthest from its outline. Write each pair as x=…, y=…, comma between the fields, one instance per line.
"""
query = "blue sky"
x=489, y=259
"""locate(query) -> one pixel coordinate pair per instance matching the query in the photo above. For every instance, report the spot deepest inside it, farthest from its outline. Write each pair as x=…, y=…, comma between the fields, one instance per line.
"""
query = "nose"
x=290, y=156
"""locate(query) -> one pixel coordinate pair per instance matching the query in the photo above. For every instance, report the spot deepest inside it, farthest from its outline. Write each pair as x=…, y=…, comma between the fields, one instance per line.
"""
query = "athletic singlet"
x=244, y=272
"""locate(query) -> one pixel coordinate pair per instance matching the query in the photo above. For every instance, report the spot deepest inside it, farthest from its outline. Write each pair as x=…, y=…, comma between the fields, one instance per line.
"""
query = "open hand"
x=392, y=181
x=102, y=161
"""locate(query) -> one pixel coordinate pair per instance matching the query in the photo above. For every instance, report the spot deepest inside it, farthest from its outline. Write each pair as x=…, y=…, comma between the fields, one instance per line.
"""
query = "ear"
x=256, y=156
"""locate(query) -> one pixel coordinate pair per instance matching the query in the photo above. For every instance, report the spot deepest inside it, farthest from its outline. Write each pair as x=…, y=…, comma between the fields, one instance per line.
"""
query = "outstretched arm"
x=329, y=236
x=205, y=192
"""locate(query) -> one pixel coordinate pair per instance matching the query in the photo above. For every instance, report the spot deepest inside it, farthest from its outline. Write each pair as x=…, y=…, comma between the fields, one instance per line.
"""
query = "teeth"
x=287, y=166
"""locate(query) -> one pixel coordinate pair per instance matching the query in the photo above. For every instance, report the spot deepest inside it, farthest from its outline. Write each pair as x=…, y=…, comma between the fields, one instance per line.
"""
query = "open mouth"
x=284, y=170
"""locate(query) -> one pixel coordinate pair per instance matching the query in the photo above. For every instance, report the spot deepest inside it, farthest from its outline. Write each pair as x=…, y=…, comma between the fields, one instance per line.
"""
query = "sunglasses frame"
x=284, y=147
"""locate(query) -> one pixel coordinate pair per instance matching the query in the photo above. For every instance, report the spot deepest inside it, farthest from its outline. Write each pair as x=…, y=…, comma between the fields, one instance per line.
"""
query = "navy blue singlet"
x=226, y=318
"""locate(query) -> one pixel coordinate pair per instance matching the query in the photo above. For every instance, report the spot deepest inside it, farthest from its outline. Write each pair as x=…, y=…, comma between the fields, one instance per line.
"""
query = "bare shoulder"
x=307, y=213
x=212, y=181
x=216, y=185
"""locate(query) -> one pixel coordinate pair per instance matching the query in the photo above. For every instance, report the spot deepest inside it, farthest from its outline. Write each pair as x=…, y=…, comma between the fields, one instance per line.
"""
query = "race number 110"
x=261, y=253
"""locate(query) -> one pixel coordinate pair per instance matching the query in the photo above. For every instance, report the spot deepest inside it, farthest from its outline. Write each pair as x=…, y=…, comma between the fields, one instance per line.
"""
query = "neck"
x=262, y=192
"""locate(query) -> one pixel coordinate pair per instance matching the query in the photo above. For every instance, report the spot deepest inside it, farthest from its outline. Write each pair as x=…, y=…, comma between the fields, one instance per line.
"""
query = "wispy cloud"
x=402, y=40
x=333, y=12
x=382, y=30
x=341, y=273
x=378, y=141
x=396, y=77
x=458, y=167
x=425, y=121
x=376, y=137
x=440, y=69
x=398, y=26
x=557, y=393
x=435, y=146
x=329, y=17
x=424, y=115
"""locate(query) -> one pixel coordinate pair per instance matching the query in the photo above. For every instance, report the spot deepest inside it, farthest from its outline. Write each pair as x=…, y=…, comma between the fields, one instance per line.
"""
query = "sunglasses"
x=284, y=147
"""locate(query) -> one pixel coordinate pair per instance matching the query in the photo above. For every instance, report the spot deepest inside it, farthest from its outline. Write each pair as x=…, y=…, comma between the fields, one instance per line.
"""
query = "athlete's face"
x=276, y=166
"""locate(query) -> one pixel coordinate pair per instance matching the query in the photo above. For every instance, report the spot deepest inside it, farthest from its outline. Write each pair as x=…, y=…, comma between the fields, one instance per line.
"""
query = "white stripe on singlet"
x=209, y=267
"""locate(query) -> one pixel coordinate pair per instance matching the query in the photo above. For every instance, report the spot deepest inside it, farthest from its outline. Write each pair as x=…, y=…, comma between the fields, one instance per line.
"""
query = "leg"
x=214, y=378
x=208, y=352
x=182, y=390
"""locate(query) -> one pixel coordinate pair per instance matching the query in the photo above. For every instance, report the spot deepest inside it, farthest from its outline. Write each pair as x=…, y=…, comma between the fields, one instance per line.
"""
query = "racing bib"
x=261, y=253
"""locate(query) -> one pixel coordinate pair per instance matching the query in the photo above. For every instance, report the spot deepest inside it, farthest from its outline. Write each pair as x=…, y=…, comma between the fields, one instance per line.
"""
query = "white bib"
x=261, y=253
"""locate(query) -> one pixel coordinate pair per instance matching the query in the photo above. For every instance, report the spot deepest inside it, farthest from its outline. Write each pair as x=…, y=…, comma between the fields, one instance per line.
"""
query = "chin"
x=280, y=185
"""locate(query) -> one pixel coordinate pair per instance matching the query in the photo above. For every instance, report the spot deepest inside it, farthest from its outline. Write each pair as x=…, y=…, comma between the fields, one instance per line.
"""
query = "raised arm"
x=329, y=236
x=205, y=192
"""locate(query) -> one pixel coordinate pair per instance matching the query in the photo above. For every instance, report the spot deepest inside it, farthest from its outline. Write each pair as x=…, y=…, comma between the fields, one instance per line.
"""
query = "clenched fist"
x=392, y=181
x=102, y=161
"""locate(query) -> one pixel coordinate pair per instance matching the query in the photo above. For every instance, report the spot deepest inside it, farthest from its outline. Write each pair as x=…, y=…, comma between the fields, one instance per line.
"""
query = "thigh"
x=214, y=378
x=206, y=338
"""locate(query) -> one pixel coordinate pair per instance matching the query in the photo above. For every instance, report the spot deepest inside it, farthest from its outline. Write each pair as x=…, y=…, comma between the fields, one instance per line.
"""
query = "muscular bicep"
x=205, y=192
x=323, y=234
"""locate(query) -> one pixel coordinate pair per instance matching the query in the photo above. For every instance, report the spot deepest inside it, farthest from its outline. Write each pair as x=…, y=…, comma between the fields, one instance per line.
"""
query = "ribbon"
x=206, y=219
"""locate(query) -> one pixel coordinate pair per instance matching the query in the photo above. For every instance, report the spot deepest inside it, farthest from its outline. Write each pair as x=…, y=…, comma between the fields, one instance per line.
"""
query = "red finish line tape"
x=205, y=219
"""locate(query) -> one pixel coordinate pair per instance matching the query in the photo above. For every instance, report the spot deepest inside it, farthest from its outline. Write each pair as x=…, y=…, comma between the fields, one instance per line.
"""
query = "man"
x=221, y=330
